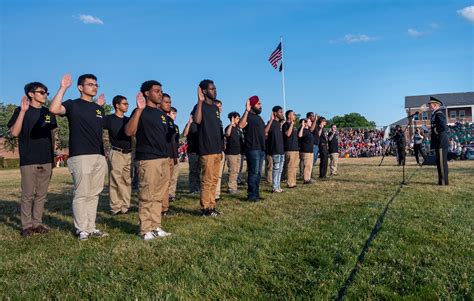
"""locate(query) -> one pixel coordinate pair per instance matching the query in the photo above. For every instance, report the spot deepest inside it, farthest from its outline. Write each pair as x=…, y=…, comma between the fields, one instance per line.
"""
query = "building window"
x=462, y=114
x=424, y=116
x=416, y=117
x=452, y=114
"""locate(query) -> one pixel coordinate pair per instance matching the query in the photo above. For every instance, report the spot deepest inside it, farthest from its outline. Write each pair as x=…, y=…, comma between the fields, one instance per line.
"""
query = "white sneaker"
x=98, y=233
x=149, y=236
x=160, y=232
x=83, y=235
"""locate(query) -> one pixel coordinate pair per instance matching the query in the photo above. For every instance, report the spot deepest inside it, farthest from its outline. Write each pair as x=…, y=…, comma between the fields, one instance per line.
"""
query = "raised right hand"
x=141, y=102
x=66, y=81
x=25, y=103
x=201, y=97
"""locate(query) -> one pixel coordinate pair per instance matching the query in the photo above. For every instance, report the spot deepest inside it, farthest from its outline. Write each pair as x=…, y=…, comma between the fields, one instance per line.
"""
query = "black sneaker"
x=171, y=198
x=205, y=212
x=27, y=232
x=214, y=212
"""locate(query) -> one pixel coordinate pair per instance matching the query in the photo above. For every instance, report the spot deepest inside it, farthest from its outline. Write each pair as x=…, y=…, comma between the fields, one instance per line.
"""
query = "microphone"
x=414, y=114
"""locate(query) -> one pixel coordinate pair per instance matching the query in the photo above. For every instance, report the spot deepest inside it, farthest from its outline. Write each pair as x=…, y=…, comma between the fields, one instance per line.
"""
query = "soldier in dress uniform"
x=439, y=139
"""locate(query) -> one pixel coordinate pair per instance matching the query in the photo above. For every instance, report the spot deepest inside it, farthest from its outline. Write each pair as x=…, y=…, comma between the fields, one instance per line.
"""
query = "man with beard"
x=150, y=127
x=210, y=140
x=254, y=131
x=120, y=158
x=290, y=143
x=439, y=139
x=86, y=161
x=275, y=147
x=33, y=124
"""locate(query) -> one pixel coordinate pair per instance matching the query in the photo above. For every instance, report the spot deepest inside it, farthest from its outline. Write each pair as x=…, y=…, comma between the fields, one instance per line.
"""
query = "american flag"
x=276, y=56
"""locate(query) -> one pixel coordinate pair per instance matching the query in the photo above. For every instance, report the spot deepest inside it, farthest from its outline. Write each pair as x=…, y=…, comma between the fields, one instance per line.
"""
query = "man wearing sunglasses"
x=120, y=157
x=86, y=161
x=33, y=124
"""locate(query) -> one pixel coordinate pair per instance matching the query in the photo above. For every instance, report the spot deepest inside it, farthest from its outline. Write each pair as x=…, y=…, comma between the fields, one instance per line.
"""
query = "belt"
x=123, y=151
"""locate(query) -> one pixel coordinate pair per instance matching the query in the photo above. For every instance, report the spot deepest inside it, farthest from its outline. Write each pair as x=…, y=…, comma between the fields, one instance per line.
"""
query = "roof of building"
x=448, y=99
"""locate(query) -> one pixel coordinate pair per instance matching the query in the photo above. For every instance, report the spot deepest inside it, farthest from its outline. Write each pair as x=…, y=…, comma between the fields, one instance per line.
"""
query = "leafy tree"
x=352, y=120
x=6, y=112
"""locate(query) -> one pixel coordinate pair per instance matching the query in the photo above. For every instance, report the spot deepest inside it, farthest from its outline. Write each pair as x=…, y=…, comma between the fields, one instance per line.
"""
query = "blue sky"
x=340, y=56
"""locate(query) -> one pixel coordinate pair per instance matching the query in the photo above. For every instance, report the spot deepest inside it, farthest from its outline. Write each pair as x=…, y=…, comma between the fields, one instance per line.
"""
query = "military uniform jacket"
x=439, y=128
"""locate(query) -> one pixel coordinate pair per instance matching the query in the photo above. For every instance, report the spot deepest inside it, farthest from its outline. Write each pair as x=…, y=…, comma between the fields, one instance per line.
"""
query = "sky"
x=339, y=56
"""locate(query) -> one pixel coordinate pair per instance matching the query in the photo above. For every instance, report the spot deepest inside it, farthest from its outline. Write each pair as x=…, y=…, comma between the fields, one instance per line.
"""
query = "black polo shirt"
x=290, y=143
x=333, y=144
x=116, y=127
x=275, y=139
x=306, y=142
x=210, y=134
x=233, y=142
x=153, y=135
x=316, y=136
x=323, y=139
x=254, y=132
x=35, y=140
x=86, y=121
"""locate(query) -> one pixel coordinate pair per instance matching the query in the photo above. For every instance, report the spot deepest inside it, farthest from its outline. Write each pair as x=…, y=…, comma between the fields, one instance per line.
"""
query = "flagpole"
x=283, y=76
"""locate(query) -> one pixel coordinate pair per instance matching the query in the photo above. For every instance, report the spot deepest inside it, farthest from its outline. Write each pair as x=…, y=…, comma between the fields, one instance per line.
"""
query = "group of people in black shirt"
x=280, y=141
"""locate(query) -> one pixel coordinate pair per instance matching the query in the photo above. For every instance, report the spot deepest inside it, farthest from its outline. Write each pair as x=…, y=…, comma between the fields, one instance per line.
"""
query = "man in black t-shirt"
x=314, y=130
x=191, y=133
x=254, y=131
x=275, y=147
x=333, y=138
x=218, y=103
x=290, y=143
x=33, y=124
x=233, y=150
x=306, y=142
x=210, y=144
x=150, y=127
x=86, y=161
x=323, y=147
x=120, y=157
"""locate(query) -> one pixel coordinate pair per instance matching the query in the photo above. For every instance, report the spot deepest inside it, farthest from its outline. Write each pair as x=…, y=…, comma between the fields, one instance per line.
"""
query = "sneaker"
x=158, y=232
x=83, y=235
x=148, y=236
x=40, y=229
x=309, y=182
x=232, y=191
x=214, y=212
x=27, y=232
x=99, y=234
x=278, y=190
x=205, y=212
x=171, y=198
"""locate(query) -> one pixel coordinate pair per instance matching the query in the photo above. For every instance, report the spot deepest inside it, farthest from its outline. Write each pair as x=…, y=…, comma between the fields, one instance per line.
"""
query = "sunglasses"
x=41, y=92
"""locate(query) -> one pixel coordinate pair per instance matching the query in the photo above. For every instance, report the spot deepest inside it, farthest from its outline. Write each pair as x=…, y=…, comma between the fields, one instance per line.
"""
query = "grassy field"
x=313, y=242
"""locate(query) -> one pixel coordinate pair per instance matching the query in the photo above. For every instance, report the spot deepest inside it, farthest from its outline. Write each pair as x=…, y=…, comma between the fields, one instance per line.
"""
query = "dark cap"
x=435, y=100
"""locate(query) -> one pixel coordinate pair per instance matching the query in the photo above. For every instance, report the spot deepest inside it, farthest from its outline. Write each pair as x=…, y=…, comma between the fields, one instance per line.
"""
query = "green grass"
x=302, y=244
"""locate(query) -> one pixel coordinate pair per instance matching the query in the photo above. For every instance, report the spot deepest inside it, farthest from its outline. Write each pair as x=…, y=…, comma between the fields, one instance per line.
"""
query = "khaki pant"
x=334, y=157
x=307, y=162
x=221, y=170
x=153, y=183
x=120, y=181
x=88, y=174
x=174, y=174
x=269, y=168
x=233, y=163
x=210, y=166
x=291, y=163
x=34, y=189
x=194, y=172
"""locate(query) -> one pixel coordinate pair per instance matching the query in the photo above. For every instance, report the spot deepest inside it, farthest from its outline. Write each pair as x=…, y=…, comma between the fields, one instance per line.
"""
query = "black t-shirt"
x=210, y=135
x=86, y=122
x=153, y=135
x=306, y=142
x=290, y=143
x=174, y=141
x=275, y=139
x=116, y=126
x=35, y=140
x=192, y=138
x=316, y=135
x=333, y=144
x=233, y=142
x=254, y=133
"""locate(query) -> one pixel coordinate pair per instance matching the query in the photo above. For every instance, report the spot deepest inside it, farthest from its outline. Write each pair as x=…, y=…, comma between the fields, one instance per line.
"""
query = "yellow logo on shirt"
x=98, y=113
x=163, y=119
x=47, y=119
x=218, y=114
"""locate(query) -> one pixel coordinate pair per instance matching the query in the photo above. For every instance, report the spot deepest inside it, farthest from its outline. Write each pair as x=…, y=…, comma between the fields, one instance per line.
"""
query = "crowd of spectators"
x=355, y=143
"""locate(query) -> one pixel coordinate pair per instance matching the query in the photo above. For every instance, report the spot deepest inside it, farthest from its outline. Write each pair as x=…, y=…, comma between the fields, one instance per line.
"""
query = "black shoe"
x=205, y=212
x=167, y=213
x=253, y=200
x=27, y=232
x=291, y=186
x=261, y=198
x=214, y=212
x=171, y=198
